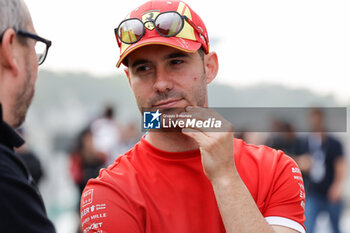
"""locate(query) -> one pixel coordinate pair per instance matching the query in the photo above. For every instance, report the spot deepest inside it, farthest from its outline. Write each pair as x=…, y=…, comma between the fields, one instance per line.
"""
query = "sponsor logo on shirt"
x=87, y=197
x=94, y=226
x=296, y=170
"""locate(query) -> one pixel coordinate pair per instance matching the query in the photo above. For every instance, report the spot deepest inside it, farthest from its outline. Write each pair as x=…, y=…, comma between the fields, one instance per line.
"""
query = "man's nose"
x=163, y=81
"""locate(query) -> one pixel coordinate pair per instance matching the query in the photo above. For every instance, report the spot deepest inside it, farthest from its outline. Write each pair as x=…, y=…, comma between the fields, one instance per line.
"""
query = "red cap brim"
x=185, y=45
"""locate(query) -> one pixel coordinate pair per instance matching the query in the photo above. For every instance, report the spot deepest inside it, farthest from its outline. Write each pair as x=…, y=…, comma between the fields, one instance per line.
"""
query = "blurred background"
x=271, y=54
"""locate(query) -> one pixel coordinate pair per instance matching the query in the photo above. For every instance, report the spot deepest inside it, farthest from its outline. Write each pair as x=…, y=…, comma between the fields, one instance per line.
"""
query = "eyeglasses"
x=167, y=24
x=41, y=46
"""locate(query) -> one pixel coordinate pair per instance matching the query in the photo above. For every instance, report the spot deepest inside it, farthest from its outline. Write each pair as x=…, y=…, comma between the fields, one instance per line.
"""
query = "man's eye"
x=142, y=68
x=176, y=62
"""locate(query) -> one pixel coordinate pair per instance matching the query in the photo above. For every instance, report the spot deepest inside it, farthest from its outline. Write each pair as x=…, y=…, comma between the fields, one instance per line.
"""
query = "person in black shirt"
x=30, y=159
x=323, y=166
x=22, y=208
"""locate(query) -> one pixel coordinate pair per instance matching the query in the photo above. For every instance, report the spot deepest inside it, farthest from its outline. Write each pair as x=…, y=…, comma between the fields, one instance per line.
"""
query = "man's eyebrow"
x=176, y=55
x=169, y=56
x=139, y=62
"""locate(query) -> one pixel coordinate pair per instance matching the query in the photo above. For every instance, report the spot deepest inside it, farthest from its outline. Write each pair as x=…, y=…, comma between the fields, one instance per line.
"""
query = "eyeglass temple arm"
x=200, y=32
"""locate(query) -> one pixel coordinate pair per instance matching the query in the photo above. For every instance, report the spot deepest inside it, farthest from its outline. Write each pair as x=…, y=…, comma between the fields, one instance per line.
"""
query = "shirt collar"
x=8, y=135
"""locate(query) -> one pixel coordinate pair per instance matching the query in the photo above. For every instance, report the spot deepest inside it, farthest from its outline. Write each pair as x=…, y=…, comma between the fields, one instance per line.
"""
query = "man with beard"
x=21, y=51
x=187, y=179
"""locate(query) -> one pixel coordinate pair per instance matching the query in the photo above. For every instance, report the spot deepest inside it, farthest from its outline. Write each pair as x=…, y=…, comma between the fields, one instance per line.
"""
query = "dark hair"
x=201, y=53
x=109, y=112
x=78, y=147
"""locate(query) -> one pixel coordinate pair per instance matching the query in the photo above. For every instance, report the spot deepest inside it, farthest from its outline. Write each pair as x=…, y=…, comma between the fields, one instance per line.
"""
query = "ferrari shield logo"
x=148, y=19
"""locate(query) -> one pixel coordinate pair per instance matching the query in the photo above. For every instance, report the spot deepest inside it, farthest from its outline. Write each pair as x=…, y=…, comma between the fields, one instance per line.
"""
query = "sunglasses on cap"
x=167, y=24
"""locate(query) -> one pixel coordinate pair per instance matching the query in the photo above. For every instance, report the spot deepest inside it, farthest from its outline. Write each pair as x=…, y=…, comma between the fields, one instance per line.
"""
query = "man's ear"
x=8, y=51
x=126, y=70
x=211, y=64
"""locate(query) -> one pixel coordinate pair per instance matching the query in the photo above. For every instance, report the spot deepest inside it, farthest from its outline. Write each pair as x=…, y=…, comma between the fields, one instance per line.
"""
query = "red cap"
x=188, y=40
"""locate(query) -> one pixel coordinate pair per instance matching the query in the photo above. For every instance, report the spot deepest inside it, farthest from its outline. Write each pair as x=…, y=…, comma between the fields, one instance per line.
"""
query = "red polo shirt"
x=154, y=191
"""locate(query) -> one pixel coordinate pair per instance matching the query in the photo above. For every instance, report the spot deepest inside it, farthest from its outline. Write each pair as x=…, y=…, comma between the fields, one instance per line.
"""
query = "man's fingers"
x=209, y=120
x=199, y=136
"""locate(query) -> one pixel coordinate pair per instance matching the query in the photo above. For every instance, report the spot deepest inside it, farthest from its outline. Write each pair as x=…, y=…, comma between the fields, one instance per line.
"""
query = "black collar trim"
x=8, y=136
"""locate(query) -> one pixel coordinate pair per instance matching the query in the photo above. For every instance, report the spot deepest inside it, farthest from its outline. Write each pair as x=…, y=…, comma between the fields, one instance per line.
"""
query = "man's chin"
x=21, y=112
x=19, y=122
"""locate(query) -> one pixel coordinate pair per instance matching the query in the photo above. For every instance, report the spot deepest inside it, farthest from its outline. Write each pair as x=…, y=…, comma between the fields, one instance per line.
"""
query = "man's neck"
x=171, y=141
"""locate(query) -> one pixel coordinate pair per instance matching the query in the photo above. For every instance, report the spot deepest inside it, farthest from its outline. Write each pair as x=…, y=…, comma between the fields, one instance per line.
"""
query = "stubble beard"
x=23, y=100
x=198, y=98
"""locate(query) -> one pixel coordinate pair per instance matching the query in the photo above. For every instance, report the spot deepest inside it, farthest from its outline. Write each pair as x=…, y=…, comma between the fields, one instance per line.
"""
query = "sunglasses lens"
x=130, y=31
x=169, y=24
